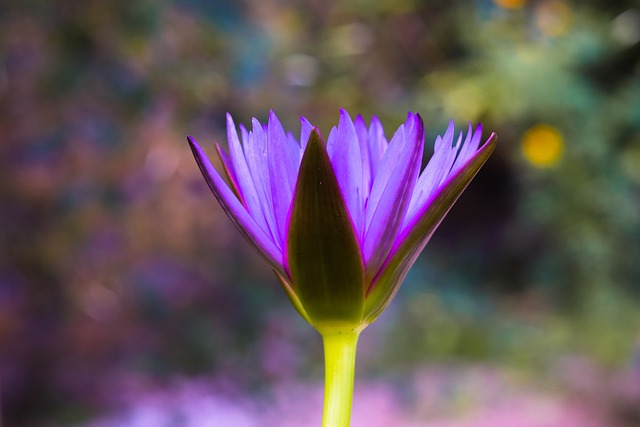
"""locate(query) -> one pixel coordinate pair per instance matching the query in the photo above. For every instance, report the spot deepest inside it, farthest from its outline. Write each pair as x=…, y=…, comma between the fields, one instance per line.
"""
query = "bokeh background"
x=128, y=299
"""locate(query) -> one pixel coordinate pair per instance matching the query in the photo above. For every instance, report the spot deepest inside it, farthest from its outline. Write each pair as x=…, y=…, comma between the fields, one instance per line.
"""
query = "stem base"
x=340, y=359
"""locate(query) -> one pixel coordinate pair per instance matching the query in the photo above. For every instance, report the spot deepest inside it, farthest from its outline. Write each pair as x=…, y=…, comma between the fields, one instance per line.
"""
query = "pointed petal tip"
x=414, y=128
x=359, y=121
x=220, y=148
x=346, y=120
x=192, y=142
x=412, y=117
x=418, y=120
x=448, y=134
x=273, y=120
x=344, y=115
x=256, y=125
x=493, y=139
x=199, y=154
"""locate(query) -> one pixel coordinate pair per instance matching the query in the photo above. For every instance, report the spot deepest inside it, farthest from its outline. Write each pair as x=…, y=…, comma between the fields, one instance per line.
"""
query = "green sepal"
x=385, y=286
x=323, y=252
x=293, y=298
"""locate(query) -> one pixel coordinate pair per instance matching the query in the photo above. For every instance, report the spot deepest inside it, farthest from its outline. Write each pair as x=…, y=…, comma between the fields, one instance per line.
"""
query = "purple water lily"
x=341, y=223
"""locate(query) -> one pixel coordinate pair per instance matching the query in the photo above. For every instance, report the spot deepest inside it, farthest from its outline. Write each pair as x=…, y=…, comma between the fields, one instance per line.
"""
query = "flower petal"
x=247, y=189
x=416, y=235
x=323, y=253
x=363, y=140
x=305, y=132
x=344, y=151
x=469, y=147
x=236, y=211
x=434, y=173
x=255, y=151
x=229, y=171
x=391, y=193
x=377, y=144
x=283, y=168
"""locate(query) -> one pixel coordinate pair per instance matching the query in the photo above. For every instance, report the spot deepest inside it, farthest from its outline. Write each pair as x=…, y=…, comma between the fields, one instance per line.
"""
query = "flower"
x=341, y=223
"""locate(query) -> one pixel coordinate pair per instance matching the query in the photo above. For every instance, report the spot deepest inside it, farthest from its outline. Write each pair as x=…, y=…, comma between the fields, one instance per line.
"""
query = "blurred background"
x=128, y=299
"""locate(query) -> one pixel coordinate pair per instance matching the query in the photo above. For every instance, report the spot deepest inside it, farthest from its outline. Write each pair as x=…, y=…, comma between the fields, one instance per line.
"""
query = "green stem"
x=339, y=361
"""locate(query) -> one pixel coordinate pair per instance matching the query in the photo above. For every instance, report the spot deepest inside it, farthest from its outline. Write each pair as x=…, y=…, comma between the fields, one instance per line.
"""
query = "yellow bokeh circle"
x=542, y=145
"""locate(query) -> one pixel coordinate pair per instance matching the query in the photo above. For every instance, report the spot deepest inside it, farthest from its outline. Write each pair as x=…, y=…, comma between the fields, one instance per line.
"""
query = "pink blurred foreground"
x=434, y=397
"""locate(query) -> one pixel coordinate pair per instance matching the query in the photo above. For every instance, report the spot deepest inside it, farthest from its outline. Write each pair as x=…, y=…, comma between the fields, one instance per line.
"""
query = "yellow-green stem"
x=339, y=361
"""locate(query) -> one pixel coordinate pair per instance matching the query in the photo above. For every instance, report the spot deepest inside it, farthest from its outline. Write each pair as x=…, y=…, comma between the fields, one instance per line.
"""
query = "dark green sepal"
x=322, y=248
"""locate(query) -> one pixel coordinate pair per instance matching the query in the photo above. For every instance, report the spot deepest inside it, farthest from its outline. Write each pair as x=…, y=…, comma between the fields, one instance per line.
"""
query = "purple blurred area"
x=127, y=298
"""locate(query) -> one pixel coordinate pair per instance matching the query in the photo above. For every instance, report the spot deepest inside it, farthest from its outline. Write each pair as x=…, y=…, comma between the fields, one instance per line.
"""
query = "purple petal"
x=385, y=171
x=434, y=173
x=367, y=174
x=255, y=151
x=243, y=176
x=229, y=170
x=245, y=135
x=235, y=210
x=305, y=131
x=391, y=193
x=347, y=164
x=479, y=156
x=331, y=141
x=414, y=237
x=469, y=147
x=283, y=170
x=377, y=144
